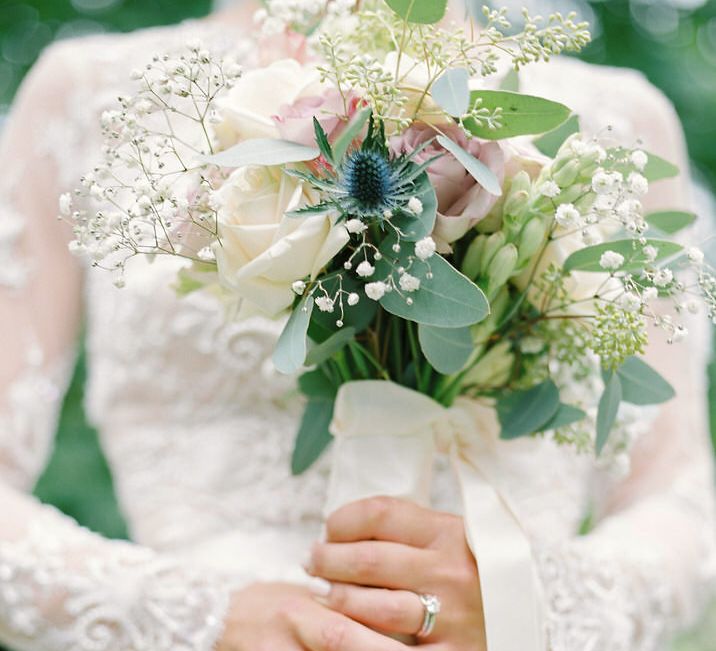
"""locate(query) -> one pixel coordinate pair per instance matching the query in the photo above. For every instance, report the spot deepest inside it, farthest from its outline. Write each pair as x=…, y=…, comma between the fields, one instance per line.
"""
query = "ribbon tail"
x=511, y=592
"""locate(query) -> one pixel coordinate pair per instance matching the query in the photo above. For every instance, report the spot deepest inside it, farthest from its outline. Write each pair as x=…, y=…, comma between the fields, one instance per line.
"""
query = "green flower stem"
x=342, y=366
x=422, y=374
x=395, y=349
x=359, y=350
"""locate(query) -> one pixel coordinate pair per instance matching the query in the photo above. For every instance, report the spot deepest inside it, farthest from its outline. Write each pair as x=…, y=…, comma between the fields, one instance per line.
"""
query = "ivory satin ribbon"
x=386, y=437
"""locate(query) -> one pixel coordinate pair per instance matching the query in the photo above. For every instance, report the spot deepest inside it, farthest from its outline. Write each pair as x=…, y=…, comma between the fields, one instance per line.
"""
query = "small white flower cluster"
x=301, y=15
x=154, y=191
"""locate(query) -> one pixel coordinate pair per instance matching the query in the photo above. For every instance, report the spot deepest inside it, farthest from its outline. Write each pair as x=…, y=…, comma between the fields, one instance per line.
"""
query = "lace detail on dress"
x=29, y=416
x=67, y=590
x=598, y=601
x=13, y=268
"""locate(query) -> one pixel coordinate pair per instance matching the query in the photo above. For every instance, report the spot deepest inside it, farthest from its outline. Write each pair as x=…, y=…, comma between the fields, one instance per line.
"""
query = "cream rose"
x=262, y=252
x=247, y=111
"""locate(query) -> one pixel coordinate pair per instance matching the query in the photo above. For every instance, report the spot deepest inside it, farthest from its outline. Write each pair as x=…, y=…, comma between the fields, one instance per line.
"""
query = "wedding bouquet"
x=452, y=258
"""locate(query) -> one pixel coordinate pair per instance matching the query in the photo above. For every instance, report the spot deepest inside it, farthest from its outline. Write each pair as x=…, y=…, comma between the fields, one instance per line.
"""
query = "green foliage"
x=446, y=299
x=290, y=352
x=587, y=259
x=451, y=91
x=608, y=409
x=670, y=221
x=447, y=349
x=419, y=11
x=642, y=385
x=518, y=114
x=263, y=151
x=476, y=168
x=551, y=141
x=522, y=413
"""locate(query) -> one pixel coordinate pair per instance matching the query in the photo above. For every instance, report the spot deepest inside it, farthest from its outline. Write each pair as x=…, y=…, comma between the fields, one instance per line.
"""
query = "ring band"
x=431, y=606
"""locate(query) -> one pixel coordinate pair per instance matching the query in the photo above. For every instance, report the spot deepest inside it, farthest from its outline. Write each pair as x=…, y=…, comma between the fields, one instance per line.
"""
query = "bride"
x=197, y=427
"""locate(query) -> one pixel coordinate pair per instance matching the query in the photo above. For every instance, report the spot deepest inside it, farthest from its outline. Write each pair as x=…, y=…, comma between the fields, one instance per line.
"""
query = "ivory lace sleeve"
x=63, y=588
x=648, y=565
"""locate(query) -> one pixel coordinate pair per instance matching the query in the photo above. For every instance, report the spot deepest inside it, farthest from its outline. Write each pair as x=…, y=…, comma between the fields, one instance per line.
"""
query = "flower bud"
x=501, y=268
x=495, y=367
x=518, y=195
x=493, y=244
x=499, y=305
x=531, y=239
x=567, y=174
x=473, y=257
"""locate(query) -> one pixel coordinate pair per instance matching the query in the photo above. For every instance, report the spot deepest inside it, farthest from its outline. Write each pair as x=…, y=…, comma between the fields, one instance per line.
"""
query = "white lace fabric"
x=198, y=427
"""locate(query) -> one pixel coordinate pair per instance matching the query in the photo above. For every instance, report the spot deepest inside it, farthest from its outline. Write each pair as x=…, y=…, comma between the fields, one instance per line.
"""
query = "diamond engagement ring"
x=431, y=605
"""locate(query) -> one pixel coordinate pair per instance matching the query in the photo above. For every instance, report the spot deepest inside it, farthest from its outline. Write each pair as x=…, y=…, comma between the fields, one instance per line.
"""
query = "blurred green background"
x=672, y=41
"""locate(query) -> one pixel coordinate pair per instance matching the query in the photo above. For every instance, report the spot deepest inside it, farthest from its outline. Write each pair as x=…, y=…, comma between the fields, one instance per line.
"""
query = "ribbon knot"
x=386, y=439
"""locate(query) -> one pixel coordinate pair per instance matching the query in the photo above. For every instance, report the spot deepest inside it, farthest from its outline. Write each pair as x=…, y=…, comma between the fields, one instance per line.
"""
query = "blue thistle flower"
x=368, y=183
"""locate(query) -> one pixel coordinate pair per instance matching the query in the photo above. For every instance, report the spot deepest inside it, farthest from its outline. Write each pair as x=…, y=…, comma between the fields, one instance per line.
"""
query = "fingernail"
x=320, y=588
x=308, y=563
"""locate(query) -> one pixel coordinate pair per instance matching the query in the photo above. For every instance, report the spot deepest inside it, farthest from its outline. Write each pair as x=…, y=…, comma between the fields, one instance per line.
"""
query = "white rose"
x=262, y=253
x=247, y=110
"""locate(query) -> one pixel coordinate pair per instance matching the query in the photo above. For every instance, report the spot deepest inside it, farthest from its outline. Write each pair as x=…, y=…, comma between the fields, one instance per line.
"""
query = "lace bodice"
x=197, y=426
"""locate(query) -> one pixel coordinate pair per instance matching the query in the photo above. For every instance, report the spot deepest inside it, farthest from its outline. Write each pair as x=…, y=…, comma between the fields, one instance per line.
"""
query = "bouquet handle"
x=386, y=437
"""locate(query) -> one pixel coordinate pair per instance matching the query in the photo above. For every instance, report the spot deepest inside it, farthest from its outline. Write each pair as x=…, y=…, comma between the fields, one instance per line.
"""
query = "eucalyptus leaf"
x=565, y=415
x=323, y=324
x=350, y=133
x=425, y=12
x=521, y=114
x=448, y=299
x=522, y=413
x=323, y=351
x=316, y=385
x=447, y=349
x=550, y=142
x=452, y=92
x=587, y=259
x=416, y=227
x=476, y=168
x=263, y=151
x=313, y=435
x=290, y=352
x=642, y=385
x=608, y=409
x=670, y=221
x=657, y=168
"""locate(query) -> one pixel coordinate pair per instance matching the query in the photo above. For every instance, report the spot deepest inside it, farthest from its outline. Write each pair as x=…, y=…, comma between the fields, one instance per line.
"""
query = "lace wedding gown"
x=198, y=427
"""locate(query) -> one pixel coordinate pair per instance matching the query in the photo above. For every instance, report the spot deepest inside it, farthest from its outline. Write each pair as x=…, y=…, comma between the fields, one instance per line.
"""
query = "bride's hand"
x=285, y=617
x=381, y=553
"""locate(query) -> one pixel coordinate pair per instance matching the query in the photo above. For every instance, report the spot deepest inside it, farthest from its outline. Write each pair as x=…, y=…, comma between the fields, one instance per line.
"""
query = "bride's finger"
x=320, y=629
x=374, y=563
x=384, y=518
x=392, y=611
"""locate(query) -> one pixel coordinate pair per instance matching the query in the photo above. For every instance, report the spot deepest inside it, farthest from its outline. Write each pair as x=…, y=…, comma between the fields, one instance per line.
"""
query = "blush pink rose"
x=295, y=121
x=462, y=202
x=286, y=45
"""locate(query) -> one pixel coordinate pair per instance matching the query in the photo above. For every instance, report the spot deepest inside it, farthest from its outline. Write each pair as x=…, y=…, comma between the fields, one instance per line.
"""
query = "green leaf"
x=657, y=168
x=550, y=142
x=323, y=324
x=521, y=114
x=451, y=91
x=350, y=133
x=309, y=211
x=511, y=81
x=321, y=352
x=670, y=221
x=608, y=409
x=322, y=141
x=477, y=169
x=522, y=413
x=448, y=299
x=313, y=435
x=416, y=227
x=425, y=12
x=642, y=385
x=587, y=259
x=263, y=151
x=565, y=415
x=316, y=385
x=447, y=349
x=290, y=352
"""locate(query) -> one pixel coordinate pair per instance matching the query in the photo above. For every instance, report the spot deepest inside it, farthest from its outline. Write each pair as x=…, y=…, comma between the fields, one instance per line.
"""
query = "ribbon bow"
x=386, y=438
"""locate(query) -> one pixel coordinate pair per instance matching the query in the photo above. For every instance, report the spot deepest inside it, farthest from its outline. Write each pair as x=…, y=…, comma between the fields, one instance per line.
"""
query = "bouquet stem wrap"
x=386, y=437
